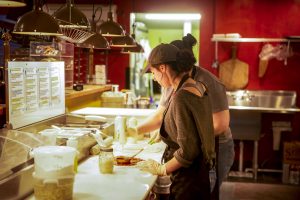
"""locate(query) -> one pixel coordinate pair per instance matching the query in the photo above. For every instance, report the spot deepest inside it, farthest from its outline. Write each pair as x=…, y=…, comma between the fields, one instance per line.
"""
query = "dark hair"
x=185, y=60
x=187, y=42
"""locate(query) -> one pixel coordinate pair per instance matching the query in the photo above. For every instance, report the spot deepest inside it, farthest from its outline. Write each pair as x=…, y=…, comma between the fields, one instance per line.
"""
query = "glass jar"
x=106, y=160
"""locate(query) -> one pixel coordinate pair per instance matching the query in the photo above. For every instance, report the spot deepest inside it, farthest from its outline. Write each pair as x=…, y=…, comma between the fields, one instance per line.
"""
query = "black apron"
x=187, y=183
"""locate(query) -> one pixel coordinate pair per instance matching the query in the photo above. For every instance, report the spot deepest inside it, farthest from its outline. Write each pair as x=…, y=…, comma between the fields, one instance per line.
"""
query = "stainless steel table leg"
x=255, y=159
x=241, y=156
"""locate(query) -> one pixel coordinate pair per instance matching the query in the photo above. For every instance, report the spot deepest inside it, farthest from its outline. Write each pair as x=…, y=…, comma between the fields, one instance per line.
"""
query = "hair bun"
x=189, y=40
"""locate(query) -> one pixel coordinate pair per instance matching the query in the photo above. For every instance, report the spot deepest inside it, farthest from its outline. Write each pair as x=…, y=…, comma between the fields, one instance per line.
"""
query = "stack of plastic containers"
x=54, y=172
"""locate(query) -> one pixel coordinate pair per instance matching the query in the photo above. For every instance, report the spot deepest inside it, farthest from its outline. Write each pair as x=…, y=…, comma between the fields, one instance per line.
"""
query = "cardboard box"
x=291, y=153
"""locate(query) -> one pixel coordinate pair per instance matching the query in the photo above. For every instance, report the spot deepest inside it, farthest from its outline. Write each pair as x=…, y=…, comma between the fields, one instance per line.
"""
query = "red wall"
x=264, y=18
x=270, y=19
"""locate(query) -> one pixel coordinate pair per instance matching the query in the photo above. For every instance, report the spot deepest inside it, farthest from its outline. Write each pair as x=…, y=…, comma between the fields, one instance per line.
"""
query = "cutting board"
x=234, y=73
x=263, y=65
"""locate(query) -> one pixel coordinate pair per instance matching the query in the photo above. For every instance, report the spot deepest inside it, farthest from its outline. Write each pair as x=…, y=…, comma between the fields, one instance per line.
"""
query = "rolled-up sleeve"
x=187, y=135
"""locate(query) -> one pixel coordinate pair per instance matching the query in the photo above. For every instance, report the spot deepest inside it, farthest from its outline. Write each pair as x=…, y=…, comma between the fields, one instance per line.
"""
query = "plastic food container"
x=112, y=99
x=54, y=161
x=53, y=189
x=49, y=136
x=143, y=103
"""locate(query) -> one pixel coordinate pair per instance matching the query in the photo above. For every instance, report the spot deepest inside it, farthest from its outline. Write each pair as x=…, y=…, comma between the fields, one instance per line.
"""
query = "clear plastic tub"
x=54, y=161
x=53, y=189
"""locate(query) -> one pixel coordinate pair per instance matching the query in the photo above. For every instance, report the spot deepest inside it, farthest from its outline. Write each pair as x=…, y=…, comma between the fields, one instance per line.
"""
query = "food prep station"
x=45, y=94
x=246, y=108
x=18, y=179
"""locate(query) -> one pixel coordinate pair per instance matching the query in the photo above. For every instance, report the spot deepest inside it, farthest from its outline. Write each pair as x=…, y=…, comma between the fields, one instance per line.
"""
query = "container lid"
x=53, y=150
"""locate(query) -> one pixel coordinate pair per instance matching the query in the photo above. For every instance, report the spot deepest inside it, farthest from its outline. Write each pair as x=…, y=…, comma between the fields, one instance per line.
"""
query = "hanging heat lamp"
x=37, y=22
x=111, y=28
x=74, y=25
x=70, y=15
x=124, y=41
x=135, y=49
x=96, y=41
x=12, y=3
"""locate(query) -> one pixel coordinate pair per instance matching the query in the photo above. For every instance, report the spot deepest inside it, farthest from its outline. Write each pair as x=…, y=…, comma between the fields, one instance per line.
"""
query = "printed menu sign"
x=31, y=91
x=17, y=92
x=44, y=87
x=36, y=91
x=55, y=86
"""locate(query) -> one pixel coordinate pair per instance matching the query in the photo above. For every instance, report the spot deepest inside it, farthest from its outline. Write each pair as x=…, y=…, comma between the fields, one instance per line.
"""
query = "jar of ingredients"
x=106, y=160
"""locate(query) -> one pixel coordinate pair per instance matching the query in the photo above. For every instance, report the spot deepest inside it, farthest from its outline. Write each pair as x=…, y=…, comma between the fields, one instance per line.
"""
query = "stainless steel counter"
x=265, y=109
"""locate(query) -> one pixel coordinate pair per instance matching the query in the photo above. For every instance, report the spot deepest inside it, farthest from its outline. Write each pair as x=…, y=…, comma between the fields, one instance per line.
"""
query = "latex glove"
x=155, y=138
x=153, y=167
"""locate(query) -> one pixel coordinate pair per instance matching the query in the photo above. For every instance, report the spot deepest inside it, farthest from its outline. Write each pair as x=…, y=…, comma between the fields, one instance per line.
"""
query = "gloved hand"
x=153, y=167
x=155, y=137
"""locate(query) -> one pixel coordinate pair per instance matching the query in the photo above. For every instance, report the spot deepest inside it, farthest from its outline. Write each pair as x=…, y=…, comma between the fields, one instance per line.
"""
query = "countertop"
x=147, y=112
x=87, y=90
x=114, y=111
x=264, y=109
x=126, y=183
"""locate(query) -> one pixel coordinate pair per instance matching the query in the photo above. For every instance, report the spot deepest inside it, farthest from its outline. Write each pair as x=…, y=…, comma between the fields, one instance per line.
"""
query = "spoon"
x=134, y=155
x=149, y=143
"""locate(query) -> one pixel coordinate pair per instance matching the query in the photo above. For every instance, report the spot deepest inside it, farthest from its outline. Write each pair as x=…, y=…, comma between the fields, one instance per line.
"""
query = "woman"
x=220, y=109
x=187, y=126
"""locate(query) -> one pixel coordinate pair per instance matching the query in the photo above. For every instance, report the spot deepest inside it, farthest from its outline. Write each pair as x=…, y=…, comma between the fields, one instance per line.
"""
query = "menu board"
x=36, y=91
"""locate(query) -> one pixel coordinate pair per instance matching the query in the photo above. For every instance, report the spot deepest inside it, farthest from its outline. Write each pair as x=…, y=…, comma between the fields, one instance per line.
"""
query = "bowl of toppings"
x=126, y=160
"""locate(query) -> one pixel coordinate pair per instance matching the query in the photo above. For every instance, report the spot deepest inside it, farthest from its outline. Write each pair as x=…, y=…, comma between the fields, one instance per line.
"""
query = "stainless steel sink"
x=262, y=98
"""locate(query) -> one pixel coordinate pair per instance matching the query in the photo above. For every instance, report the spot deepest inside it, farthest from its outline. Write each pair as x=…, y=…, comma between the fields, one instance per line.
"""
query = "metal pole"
x=241, y=156
x=255, y=159
x=6, y=37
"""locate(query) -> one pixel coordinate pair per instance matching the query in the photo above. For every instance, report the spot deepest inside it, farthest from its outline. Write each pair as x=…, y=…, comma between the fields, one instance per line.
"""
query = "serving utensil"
x=150, y=142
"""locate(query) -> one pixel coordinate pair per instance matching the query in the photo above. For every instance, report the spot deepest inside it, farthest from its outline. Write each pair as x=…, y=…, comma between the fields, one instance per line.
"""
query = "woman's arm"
x=153, y=122
x=172, y=165
x=221, y=121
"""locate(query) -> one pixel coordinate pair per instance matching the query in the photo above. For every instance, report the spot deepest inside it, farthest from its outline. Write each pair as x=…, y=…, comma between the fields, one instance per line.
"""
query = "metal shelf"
x=223, y=39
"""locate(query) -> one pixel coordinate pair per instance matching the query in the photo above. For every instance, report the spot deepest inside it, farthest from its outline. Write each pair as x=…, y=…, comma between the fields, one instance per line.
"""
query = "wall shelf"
x=215, y=64
x=224, y=39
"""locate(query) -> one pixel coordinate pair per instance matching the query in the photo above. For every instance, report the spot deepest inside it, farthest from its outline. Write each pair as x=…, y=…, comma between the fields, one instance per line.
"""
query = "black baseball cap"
x=162, y=53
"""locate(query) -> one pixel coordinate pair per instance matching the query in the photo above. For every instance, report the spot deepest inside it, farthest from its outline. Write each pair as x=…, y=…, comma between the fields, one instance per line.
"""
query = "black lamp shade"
x=37, y=22
x=111, y=28
x=125, y=41
x=96, y=41
x=137, y=49
x=71, y=15
x=12, y=3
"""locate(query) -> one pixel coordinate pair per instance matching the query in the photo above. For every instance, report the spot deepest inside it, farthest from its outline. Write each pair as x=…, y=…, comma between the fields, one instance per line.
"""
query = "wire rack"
x=73, y=33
